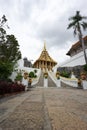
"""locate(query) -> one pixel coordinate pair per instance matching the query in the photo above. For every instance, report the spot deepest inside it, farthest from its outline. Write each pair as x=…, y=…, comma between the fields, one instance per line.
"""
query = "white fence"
x=55, y=80
x=73, y=82
x=35, y=80
x=52, y=76
x=69, y=81
x=26, y=69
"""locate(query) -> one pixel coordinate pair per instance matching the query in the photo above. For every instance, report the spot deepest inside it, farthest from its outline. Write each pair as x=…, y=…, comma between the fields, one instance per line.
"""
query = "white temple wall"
x=75, y=60
x=20, y=66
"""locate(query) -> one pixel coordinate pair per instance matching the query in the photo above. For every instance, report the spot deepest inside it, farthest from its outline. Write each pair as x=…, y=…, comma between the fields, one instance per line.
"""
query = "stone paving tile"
x=29, y=115
x=8, y=105
x=63, y=120
x=48, y=109
x=65, y=109
x=25, y=118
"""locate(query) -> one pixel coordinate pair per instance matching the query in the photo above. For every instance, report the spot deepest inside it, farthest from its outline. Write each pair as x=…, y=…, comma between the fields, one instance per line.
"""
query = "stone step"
x=41, y=82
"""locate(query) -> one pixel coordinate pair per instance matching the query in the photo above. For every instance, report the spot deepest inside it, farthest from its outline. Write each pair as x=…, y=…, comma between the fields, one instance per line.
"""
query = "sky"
x=35, y=21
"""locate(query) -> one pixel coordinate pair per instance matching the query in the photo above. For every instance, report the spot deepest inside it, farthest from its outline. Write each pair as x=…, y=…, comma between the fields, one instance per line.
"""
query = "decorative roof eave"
x=75, y=46
x=44, y=56
x=45, y=60
x=68, y=53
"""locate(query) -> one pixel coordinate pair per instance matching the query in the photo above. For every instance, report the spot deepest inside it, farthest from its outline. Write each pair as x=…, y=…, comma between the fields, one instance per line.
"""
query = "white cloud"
x=33, y=21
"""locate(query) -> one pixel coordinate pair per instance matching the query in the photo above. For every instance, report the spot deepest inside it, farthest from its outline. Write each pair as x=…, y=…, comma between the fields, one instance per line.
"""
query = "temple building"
x=45, y=62
x=76, y=55
x=77, y=48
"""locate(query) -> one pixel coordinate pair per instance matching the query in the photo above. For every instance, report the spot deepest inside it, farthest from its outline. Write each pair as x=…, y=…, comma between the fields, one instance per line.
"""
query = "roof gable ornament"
x=44, y=45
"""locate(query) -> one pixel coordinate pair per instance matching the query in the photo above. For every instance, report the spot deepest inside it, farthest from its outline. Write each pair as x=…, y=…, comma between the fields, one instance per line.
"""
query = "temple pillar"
x=49, y=65
x=42, y=65
x=39, y=64
x=46, y=65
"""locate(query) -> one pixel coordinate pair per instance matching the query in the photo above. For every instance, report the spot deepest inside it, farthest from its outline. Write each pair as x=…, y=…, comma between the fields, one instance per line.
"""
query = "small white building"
x=20, y=67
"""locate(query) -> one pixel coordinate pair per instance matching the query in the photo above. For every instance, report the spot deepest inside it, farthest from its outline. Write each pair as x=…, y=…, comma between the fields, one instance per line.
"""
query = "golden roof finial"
x=44, y=45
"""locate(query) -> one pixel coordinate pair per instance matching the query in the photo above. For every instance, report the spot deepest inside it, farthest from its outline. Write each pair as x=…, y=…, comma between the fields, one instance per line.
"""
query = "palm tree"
x=77, y=24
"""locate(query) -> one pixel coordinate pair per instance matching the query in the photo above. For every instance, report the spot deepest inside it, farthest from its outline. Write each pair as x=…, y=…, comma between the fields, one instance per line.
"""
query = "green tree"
x=78, y=24
x=5, y=70
x=3, y=21
x=9, y=51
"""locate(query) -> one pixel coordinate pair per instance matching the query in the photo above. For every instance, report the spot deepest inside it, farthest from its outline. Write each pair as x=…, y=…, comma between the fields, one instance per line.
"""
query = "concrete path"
x=45, y=109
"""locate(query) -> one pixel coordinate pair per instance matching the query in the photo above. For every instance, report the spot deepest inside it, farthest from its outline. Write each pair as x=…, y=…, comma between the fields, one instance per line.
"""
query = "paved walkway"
x=45, y=109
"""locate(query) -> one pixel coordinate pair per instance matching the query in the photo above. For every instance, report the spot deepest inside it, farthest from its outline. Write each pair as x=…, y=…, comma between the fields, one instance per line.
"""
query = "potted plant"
x=45, y=75
x=83, y=75
x=25, y=75
x=58, y=75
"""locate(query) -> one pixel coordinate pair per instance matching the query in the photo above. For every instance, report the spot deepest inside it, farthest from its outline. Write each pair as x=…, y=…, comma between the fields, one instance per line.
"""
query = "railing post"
x=84, y=84
x=58, y=83
x=45, y=82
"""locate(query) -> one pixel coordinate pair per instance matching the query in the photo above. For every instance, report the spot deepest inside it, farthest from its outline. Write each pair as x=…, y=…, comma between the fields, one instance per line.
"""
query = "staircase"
x=41, y=82
x=51, y=83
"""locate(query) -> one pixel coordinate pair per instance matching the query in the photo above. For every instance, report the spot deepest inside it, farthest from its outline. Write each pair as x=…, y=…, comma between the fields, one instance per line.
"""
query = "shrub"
x=35, y=76
x=18, y=77
x=65, y=74
x=31, y=74
x=35, y=71
x=85, y=67
x=6, y=87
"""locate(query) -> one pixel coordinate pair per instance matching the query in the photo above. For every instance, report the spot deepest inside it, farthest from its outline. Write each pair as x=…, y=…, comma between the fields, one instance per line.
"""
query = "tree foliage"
x=5, y=69
x=19, y=77
x=85, y=67
x=9, y=50
x=78, y=23
x=3, y=21
x=65, y=74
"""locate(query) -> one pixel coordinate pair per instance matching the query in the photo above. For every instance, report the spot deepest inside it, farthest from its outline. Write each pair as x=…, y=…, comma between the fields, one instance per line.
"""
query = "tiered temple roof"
x=44, y=61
